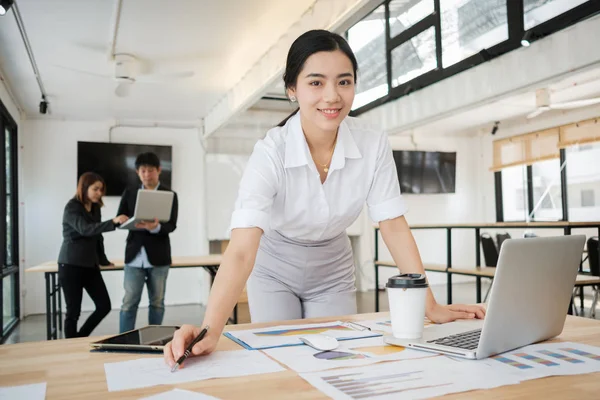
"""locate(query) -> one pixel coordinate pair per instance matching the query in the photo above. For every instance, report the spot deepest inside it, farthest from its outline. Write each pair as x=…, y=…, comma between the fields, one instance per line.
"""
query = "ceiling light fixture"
x=4, y=6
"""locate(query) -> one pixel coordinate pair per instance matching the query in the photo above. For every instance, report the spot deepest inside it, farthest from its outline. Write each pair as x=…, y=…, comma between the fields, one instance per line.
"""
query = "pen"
x=362, y=326
x=188, y=350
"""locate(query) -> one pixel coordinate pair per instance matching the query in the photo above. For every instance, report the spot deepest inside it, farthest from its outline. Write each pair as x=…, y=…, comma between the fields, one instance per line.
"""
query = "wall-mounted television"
x=115, y=162
x=424, y=172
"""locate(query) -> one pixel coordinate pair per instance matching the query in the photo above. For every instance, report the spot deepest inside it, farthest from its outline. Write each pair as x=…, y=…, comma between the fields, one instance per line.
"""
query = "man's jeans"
x=156, y=281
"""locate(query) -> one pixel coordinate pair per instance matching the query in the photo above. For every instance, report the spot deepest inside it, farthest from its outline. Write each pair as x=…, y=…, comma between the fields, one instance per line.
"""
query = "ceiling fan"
x=128, y=70
x=543, y=104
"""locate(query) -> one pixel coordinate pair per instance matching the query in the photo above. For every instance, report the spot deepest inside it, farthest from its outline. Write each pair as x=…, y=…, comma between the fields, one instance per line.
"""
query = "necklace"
x=325, y=166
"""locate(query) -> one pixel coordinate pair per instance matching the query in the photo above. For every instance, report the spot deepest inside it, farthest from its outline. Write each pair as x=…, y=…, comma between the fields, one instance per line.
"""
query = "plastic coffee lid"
x=407, y=281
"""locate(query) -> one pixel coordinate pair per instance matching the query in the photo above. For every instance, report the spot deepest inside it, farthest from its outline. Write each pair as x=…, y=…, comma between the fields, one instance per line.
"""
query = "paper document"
x=350, y=353
x=180, y=394
x=288, y=335
x=146, y=372
x=385, y=324
x=545, y=359
x=414, y=379
x=36, y=391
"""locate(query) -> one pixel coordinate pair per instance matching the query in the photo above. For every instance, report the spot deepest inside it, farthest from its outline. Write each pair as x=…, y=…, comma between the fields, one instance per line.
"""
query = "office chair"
x=490, y=252
x=594, y=261
x=490, y=255
x=500, y=238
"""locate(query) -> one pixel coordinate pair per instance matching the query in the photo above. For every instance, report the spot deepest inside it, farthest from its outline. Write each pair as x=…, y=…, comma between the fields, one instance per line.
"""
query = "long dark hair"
x=305, y=46
x=85, y=181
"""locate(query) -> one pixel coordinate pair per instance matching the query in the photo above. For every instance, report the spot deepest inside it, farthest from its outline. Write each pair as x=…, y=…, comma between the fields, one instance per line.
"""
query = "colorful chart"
x=304, y=331
x=512, y=363
x=561, y=357
x=339, y=355
x=537, y=359
x=582, y=353
x=380, y=350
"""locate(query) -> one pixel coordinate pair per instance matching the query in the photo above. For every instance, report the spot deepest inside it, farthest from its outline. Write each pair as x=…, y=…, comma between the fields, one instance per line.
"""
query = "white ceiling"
x=216, y=40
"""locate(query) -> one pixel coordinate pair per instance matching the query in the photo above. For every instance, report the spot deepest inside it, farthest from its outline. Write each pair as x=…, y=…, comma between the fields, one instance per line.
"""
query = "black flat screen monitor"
x=424, y=172
x=115, y=163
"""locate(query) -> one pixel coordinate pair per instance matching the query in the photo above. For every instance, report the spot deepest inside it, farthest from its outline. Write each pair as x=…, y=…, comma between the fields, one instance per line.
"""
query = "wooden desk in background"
x=53, y=299
x=72, y=372
x=566, y=226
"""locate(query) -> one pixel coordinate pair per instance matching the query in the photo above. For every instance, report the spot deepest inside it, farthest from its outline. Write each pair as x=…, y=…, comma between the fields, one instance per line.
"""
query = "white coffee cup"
x=407, y=294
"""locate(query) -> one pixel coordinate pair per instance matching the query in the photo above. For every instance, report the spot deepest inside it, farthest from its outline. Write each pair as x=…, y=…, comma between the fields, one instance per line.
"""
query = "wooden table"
x=53, y=298
x=72, y=372
x=566, y=226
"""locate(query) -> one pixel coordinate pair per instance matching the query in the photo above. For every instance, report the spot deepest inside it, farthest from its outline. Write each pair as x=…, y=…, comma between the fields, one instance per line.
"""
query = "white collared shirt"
x=141, y=260
x=281, y=189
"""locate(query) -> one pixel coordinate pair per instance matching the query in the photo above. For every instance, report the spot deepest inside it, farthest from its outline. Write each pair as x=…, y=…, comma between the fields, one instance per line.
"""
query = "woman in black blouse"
x=82, y=253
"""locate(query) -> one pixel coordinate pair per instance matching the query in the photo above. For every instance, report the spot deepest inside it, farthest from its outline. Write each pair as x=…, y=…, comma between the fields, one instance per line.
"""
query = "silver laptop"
x=528, y=302
x=150, y=204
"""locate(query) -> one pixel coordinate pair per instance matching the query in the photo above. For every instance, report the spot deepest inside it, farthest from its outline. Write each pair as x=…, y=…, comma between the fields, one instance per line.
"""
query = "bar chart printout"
x=414, y=379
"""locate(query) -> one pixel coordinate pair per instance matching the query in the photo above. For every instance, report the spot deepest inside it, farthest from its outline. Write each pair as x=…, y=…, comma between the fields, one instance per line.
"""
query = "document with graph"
x=350, y=353
x=288, y=335
x=414, y=379
x=546, y=359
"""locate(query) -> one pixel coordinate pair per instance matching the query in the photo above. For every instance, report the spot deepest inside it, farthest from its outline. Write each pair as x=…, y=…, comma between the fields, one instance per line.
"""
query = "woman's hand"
x=440, y=314
x=184, y=336
x=121, y=219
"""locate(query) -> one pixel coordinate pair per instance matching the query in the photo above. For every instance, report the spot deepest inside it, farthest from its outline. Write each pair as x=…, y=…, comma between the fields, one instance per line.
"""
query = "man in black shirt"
x=148, y=250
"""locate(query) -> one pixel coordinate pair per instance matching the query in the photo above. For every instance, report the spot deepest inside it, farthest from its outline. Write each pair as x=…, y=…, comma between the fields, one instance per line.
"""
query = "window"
x=514, y=193
x=405, y=14
x=469, y=26
x=414, y=57
x=547, y=196
x=537, y=11
x=9, y=269
x=422, y=42
x=583, y=182
x=367, y=40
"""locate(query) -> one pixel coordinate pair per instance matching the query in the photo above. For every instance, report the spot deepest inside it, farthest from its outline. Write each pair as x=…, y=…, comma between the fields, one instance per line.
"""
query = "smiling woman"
x=304, y=185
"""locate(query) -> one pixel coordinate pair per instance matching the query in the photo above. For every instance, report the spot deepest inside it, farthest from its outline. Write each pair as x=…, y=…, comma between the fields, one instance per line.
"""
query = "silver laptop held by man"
x=528, y=302
x=150, y=204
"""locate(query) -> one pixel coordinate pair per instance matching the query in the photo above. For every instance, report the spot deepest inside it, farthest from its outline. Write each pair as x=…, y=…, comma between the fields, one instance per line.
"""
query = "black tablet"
x=148, y=338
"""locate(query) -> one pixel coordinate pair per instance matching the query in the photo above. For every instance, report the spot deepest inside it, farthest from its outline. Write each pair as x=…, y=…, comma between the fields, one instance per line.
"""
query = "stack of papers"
x=288, y=335
x=350, y=353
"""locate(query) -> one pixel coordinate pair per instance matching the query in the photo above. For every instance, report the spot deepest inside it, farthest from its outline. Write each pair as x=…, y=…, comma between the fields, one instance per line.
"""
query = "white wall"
x=49, y=178
x=465, y=205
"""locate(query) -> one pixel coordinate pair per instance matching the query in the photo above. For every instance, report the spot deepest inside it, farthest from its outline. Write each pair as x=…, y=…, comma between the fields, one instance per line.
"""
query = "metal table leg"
x=478, y=263
x=449, y=262
x=376, y=288
x=48, y=301
x=376, y=258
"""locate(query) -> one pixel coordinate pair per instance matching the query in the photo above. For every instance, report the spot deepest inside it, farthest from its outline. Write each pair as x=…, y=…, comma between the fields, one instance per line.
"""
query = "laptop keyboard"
x=466, y=340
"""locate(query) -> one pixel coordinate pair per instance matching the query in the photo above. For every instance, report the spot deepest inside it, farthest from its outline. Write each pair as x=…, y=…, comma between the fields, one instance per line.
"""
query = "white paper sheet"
x=385, y=324
x=36, y=391
x=545, y=359
x=180, y=394
x=415, y=379
x=350, y=353
x=287, y=335
x=146, y=372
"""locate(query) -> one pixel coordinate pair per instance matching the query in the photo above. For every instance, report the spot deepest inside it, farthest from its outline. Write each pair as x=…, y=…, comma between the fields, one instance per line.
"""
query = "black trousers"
x=73, y=280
